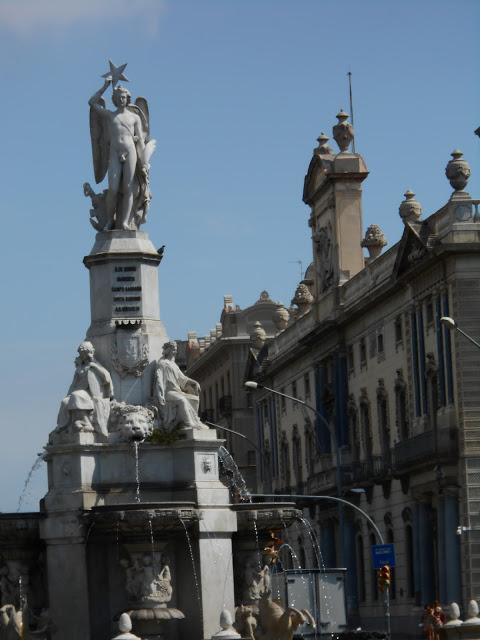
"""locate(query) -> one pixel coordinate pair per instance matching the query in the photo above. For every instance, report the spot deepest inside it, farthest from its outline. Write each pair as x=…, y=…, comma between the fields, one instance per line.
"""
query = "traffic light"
x=383, y=577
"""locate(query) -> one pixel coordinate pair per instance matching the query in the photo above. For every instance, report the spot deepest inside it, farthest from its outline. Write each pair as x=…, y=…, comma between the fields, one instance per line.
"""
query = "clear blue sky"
x=238, y=92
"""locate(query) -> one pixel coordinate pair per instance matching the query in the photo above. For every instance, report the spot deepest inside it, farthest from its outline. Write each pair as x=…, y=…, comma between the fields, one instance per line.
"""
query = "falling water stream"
x=25, y=493
x=152, y=540
x=117, y=538
x=257, y=543
x=233, y=477
x=320, y=561
x=137, y=471
x=194, y=570
x=313, y=539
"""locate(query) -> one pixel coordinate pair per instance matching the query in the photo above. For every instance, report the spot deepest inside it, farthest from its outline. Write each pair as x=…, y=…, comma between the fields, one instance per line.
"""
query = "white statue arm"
x=94, y=100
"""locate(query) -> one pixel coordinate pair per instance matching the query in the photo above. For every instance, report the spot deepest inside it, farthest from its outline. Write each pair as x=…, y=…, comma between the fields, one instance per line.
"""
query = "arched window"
x=383, y=421
x=297, y=454
x=267, y=466
x=432, y=390
x=353, y=431
x=285, y=459
x=310, y=448
x=401, y=406
x=365, y=424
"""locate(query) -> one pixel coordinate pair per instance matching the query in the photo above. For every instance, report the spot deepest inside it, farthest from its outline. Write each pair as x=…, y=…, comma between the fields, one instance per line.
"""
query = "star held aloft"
x=116, y=73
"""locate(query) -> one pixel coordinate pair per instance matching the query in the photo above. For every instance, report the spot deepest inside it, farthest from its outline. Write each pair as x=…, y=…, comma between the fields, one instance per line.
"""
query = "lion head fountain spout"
x=130, y=423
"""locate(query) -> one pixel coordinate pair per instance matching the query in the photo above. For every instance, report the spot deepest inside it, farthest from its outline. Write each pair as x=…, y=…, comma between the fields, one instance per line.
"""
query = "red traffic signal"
x=383, y=577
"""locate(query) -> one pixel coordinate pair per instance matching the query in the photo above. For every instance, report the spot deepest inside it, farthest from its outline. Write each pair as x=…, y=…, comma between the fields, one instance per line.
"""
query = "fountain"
x=136, y=514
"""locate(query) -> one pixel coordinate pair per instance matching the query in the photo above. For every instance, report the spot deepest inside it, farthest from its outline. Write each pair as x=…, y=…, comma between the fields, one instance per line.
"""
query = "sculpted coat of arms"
x=129, y=352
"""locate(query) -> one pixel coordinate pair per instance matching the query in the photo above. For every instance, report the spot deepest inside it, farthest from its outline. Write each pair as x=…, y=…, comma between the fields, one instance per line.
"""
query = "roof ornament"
x=374, y=241
x=343, y=133
x=323, y=148
x=410, y=209
x=458, y=171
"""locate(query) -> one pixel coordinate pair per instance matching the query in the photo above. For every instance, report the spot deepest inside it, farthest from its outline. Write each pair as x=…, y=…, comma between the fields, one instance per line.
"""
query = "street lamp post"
x=451, y=324
x=235, y=433
x=250, y=384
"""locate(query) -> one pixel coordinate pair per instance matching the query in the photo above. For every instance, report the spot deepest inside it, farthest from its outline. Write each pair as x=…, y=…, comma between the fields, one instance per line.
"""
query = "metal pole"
x=334, y=498
x=241, y=435
x=387, y=611
x=349, y=74
x=467, y=336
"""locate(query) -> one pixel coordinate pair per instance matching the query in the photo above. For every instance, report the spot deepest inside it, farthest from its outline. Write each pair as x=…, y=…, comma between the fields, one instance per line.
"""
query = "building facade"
x=218, y=362
x=396, y=392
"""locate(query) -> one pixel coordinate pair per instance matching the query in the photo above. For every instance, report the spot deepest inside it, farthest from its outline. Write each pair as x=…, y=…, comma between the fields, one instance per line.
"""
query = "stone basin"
x=266, y=515
x=141, y=517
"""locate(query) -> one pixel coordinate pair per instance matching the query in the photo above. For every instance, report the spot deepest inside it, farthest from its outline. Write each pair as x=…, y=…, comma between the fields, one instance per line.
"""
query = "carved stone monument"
x=105, y=456
x=133, y=474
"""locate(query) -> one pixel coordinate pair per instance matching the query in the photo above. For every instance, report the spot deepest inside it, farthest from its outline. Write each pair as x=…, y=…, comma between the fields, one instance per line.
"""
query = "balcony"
x=326, y=480
x=374, y=469
x=426, y=449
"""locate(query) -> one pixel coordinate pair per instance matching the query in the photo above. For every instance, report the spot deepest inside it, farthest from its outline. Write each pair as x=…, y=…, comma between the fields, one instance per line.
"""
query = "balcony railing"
x=327, y=479
x=370, y=470
x=428, y=447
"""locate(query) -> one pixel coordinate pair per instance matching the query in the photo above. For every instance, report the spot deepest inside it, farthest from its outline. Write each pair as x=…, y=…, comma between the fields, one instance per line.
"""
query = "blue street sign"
x=383, y=554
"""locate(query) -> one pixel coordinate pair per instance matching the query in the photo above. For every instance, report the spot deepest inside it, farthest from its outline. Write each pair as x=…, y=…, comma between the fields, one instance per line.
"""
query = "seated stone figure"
x=93, y=381
x=174, y=394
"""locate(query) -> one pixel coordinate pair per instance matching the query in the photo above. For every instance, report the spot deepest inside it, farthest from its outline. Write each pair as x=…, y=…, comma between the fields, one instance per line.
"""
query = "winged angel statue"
x=122, y=148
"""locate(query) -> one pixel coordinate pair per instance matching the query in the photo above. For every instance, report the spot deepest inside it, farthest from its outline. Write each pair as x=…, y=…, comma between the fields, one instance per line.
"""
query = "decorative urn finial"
x=374, y=241
x=458, y=171
x=410, y=209
x=343, y=133
x=323, y=148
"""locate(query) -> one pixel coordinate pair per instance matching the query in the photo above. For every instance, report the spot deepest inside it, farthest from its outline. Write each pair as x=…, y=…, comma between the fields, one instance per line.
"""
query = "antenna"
x=300, y=263
x=349, y=74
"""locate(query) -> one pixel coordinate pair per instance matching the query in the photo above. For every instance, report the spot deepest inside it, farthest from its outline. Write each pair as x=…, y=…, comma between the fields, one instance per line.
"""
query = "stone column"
x=424, y=555
x=216, y=575
x=67, y=577
x=125, y=328
x=449, y=564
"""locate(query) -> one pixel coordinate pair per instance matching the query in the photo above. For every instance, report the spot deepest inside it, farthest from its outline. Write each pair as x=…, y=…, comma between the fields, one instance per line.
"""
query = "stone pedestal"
x=68, y=592
x=92, y=518
x=125, y=328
